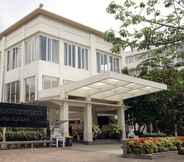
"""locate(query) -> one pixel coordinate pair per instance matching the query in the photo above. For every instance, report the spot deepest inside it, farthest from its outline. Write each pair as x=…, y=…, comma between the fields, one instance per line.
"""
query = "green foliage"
x=16, y=134
x=146, y=24
x=153, y=135
x=112, y=131
x=96, y=131
x=158, y=26
x=163, y=106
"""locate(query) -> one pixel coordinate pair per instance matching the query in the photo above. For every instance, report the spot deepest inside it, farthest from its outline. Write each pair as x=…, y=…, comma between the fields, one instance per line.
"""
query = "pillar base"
x=4, y=146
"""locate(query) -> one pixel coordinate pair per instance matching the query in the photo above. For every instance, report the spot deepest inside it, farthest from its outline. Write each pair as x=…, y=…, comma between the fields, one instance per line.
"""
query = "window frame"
x=106, y=62
x=11, y=87
x=78, y=59
x=30, y=89
x=51, y=79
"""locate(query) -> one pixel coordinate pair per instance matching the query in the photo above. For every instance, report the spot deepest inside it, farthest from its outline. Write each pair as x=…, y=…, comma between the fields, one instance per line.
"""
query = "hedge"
x=24, y=134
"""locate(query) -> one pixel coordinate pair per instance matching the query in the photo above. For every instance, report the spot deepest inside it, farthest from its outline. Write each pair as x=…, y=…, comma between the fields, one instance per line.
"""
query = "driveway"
x=77, y=153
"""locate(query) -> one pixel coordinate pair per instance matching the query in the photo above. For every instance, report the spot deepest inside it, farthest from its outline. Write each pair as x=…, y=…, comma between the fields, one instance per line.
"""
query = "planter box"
x=69, y=142
x=148, y=156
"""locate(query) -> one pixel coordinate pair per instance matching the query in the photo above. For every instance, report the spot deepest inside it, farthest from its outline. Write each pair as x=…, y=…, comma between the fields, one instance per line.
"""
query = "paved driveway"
x=78, y=153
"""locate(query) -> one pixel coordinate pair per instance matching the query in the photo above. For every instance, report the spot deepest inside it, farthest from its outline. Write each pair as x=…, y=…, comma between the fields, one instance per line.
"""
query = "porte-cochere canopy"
x=111, y=86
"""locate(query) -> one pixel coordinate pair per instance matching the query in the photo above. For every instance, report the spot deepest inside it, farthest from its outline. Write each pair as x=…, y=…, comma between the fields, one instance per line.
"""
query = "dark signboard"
x=23, y=115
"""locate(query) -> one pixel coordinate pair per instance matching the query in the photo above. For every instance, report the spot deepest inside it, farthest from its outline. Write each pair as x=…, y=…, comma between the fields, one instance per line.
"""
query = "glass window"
x=49, y=49
x=72, y=53
x=83, y=55
x=13, y=92
x=79, y=57
x=30, y=89
x=8, y=61
x=50, y=82
x=98, y=62
x=69, y=55
x=107, y=62
x=65, y=54
x=86, y=61
x=43, y=45
x=13, y=58
x=31, y=49
x=55, y=51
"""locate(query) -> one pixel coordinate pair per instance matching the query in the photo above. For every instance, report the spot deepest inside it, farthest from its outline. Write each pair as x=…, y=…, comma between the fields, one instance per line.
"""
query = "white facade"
x=132, y=59
x=46, y=53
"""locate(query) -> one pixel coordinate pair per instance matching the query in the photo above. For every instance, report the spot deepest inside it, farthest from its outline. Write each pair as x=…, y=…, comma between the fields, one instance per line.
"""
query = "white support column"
x=61, y=60
x=88, y=134
x=22, y=98
x=92, y=55
x=121, y=120
x=2, y=69
x=64, y=115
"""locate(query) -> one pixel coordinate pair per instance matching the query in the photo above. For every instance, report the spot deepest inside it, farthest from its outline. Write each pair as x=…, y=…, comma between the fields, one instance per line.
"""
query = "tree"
x=157, y=26
x=164, y=106
x=147, y=23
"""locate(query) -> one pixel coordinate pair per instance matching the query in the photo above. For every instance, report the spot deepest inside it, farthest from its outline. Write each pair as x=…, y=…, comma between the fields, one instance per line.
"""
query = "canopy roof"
x=112, y=86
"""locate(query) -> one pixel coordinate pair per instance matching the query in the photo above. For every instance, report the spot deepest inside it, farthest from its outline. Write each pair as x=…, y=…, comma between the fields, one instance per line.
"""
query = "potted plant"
x=96, y=131
x=69, y=141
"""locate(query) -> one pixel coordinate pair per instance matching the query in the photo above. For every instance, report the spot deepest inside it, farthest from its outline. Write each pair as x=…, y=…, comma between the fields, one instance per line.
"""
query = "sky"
x=88, y=12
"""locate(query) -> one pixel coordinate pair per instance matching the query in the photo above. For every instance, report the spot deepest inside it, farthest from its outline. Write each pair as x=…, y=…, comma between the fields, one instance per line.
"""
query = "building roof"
x=52, y=16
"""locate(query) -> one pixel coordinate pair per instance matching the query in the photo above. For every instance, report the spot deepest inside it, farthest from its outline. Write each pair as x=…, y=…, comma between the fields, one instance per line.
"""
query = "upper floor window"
x=106, y=62
x=42, y=48
x=49, y=49
x=31, y=50
x=76, y=56
x=30, y=89
x=13, y=58
x=50, y=82
x=12, y=91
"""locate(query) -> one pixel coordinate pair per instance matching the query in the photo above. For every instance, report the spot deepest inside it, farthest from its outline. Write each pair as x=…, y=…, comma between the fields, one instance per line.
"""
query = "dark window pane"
x=43, y=44
x=83, y=58
x=86, y=52
x=49, y=51
x=8, y=92
x=105, y=63
x=79, y=57
x=8, y=61
x=73, y=56
x=17, y=92
x=98, y=62
x=70, y=55
x=111, y=65
x=65, y=54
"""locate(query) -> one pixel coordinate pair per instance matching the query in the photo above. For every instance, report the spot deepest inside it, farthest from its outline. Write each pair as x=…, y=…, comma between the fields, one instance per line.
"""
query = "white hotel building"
x=67, y=66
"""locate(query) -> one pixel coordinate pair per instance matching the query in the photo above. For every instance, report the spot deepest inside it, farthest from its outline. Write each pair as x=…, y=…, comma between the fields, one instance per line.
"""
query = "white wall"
x=62, y=32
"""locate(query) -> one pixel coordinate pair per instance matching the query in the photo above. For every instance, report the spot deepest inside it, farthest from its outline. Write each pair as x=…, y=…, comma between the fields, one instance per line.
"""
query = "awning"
x=112, y=86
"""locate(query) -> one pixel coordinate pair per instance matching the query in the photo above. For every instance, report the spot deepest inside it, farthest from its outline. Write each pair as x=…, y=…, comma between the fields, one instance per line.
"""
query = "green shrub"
x=112, y=131
x=154, y=134
x=20, y=134
x=96, y=131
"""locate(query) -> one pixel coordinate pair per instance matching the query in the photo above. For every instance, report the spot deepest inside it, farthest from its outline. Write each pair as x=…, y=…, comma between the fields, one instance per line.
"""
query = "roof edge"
x=52, y=16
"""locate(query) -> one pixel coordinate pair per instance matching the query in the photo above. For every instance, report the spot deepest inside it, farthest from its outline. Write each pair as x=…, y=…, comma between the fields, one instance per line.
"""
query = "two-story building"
x=49, y=59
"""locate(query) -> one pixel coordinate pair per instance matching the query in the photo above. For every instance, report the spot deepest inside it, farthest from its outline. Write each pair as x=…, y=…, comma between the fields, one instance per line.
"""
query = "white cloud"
x=88, y=12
